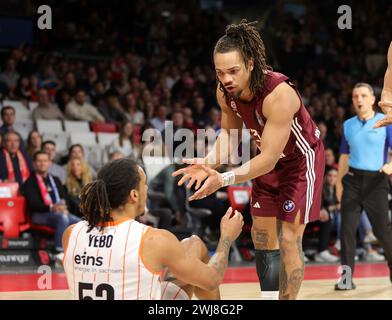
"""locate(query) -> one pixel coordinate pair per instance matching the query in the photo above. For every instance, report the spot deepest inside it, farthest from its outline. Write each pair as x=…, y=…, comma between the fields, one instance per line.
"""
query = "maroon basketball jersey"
x=304, y=132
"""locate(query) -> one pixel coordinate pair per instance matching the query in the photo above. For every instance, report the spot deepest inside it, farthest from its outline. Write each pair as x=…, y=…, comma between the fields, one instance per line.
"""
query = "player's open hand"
x=195, y=172
x=213, y=183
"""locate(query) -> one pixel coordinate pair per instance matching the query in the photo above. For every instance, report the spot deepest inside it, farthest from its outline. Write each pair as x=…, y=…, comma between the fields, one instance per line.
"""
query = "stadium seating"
x=103, y=127
x=49, y=126
x=76, y=126
x=12, y=210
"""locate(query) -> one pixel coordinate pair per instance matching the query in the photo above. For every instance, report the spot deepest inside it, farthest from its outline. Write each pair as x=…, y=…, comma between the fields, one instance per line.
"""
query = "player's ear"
x=251, y=64
x=134, y=195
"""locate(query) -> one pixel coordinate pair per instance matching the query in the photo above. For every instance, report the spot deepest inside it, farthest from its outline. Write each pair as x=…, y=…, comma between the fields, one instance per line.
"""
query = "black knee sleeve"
x=267, y=266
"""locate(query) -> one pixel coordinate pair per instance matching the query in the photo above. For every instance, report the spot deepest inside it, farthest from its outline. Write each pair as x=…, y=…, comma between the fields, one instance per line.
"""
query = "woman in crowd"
x=78, y=175
x=125, y=143
x=34, y=142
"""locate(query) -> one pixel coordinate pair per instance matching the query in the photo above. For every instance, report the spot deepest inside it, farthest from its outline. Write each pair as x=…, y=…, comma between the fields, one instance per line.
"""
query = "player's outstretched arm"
x=279, y=109
x=165, y=250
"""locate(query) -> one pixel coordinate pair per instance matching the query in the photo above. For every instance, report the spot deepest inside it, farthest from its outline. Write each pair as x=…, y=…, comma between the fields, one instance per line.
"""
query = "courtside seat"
x=12, y=210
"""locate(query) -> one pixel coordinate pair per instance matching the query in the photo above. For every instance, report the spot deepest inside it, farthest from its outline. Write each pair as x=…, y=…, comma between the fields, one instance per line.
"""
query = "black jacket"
x=33, y=195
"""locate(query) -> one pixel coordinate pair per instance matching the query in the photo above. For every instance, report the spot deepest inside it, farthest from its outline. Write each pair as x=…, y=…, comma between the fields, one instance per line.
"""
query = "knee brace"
x=267, y=266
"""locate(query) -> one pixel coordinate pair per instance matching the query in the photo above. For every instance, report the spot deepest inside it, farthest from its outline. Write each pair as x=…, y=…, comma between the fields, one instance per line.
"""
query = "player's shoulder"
x=159, y=238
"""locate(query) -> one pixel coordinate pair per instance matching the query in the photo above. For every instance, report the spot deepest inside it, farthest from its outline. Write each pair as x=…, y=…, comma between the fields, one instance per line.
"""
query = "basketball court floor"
x=240, y=283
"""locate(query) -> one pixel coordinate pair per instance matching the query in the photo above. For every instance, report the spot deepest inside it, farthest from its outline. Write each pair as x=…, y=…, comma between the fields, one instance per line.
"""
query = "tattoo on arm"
x=220, y=259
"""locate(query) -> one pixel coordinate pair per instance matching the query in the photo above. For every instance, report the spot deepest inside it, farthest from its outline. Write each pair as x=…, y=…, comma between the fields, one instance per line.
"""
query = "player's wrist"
x=227, y=178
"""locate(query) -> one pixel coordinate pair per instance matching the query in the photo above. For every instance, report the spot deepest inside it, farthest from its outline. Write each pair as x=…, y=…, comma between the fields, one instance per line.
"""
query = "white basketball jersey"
x=107, y=264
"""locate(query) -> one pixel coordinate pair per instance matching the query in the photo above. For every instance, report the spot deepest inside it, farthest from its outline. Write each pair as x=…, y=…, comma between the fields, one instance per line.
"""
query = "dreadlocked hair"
x=109, y=191
x=245, y=38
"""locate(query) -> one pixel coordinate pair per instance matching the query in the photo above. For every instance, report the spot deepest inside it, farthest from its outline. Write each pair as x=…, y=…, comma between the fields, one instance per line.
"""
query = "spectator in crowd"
x=329, y=208
x=10, y=76
x=45, y=109
x=200, y=116
x=47, y=199
x=215, y=119
x=23, y=89
x=132, y=112
x=126, y=142
x=111, y=109
x=188, y=120
x=78, y=175
x=79, y=109
x=330, y=160
x=91, y=79
x=77, y=151
x=8, y=119
x=34, y=142
x=158, y=122
x=47, y=78
x=15, y=163
x=69, y=85
x=173, y=142
x=55, y=169
x=116, y=155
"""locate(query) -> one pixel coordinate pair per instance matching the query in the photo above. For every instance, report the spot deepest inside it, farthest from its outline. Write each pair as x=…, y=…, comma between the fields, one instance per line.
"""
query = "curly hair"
x=245, y=38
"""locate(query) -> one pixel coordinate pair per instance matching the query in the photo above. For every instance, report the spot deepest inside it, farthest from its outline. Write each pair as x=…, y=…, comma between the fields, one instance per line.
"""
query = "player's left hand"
x=213, y=183
x=387, y=169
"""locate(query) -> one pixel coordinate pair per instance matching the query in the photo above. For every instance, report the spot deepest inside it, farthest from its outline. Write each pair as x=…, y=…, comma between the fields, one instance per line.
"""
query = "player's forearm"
x=220, y=259
x=258, y=166
x=222, y=149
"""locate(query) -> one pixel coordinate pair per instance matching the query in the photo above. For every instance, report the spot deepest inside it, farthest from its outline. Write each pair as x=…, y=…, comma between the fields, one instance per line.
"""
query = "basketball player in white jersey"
x=112, y=256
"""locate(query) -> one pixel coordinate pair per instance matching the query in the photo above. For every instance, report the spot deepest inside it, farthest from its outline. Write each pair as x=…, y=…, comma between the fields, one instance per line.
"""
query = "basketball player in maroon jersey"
x=288, y=171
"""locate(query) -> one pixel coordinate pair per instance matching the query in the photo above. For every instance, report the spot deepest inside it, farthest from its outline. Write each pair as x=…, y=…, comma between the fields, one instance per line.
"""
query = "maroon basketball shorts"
x=293, y=186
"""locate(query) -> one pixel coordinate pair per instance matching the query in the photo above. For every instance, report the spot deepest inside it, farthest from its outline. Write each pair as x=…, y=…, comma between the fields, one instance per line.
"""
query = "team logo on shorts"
x=288, y=206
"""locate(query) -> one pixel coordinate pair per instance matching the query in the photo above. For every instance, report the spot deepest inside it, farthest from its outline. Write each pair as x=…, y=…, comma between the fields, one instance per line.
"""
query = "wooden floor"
x=367, y=288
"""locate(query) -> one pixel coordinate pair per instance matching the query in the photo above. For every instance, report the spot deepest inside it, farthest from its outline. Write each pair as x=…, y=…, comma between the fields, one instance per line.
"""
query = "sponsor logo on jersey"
x=317, y=133
x=86, y=260
x=288, y=206
x=257, y=205
x=234, y=107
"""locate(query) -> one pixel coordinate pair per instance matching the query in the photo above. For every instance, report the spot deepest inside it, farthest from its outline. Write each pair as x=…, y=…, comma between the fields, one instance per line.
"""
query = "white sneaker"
x=370, y=238
x=306, y=259
x=374, y=256
x=325, y=256
x=337, y=245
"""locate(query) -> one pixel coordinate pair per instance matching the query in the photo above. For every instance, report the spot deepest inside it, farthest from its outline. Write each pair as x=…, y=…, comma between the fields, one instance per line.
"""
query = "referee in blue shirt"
x=363, y=179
